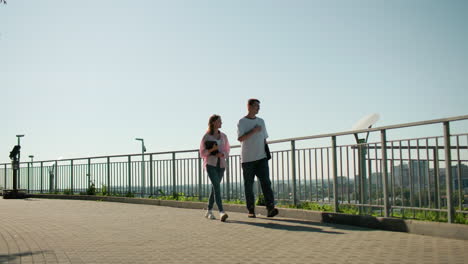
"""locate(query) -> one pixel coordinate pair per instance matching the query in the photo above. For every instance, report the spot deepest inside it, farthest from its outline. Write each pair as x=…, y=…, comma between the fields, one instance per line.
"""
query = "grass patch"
x=236, y=201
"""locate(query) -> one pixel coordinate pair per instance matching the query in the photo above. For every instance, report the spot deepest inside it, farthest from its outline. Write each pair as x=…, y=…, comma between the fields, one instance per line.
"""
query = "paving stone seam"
x=25, y=240
x=44, y=248
x=12, y=237
x=47, y=237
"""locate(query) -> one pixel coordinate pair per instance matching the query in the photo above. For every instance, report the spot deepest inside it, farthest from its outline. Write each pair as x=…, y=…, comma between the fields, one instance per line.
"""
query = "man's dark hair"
x=253, y=101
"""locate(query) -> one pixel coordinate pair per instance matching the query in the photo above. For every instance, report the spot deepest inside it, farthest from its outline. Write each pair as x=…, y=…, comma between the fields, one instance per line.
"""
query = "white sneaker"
x=209, y=214
x=223, y=216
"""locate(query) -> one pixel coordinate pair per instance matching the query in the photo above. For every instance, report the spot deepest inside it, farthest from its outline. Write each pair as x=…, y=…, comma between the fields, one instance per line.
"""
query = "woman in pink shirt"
x=214, y=149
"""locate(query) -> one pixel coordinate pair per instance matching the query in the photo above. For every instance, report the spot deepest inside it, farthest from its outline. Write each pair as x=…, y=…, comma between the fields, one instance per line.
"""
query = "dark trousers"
x=260, y=169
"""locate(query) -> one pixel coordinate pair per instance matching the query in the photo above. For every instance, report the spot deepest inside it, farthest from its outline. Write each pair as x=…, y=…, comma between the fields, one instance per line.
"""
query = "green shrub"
x=91, y=189
x=349, y=209
x=237, y=201
x=67, y=192
x=177, y=195
x=313, y=206
x=461, y=218
x=261, y=200
x=104, y=190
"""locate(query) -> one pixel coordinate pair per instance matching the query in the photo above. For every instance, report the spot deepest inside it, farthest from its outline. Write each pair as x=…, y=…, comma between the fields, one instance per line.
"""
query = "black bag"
x=267, y=151
x=209, y=145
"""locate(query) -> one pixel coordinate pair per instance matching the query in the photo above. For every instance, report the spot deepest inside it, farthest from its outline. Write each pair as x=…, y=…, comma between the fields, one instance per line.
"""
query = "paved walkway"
x=65, y=231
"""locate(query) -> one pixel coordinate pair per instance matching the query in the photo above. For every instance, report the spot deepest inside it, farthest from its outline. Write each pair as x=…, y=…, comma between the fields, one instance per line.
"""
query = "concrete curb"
x=437, y=229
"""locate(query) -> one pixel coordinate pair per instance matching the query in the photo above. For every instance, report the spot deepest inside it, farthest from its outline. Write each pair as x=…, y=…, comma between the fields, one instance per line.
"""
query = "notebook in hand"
x=209, y=145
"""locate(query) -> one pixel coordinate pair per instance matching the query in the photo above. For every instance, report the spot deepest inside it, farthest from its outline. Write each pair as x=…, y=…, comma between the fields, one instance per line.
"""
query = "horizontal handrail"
x=350, y=132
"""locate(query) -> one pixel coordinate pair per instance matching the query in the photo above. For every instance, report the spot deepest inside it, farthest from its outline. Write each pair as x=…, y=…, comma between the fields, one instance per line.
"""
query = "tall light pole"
x=364, y=123
x=32, y=171
x=19, y=161
x=143, y=150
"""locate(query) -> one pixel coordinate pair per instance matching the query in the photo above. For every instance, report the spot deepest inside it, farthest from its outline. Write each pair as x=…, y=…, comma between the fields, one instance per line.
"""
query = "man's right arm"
x=250, y=133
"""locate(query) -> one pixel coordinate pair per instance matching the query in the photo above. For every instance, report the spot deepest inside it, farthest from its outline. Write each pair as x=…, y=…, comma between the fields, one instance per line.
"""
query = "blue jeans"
x=259, y=168
x=216, y=176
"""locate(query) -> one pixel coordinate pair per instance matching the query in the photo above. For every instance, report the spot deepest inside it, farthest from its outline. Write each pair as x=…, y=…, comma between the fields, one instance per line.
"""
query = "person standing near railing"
x=214, y=149
x=252, y=134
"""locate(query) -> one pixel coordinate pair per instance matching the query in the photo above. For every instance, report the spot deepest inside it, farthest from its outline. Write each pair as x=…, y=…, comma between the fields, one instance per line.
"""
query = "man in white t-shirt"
x=252, y=134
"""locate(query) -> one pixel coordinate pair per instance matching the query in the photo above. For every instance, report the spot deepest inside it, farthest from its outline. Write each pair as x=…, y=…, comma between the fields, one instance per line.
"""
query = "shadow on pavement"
x=11, y=257
x=331, y=225
x=279, y=226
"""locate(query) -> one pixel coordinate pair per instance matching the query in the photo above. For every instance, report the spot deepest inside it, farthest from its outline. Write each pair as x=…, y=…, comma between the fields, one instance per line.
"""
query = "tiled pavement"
x=65, y=231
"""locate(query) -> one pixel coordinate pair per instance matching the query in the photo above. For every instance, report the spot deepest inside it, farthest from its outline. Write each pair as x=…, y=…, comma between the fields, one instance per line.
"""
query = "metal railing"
x=423, y=173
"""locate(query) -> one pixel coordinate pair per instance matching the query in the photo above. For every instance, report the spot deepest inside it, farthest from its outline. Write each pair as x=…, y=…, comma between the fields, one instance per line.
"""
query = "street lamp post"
x=143, y=150
x=19, y=162
x=32, y=171
x=365, y=123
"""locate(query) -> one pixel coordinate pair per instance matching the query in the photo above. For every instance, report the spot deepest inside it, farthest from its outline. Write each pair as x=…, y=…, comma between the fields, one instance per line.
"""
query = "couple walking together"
x=214, y=149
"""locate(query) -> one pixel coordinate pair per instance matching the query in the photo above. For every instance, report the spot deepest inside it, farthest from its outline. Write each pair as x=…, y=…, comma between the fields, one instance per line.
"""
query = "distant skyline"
x=85, y=78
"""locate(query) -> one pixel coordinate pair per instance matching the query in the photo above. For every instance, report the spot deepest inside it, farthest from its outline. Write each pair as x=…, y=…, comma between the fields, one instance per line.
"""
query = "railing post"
x=334, y=174
x=151, y=176
x=199, y=177
x=55, y=176
x=383, y=142
x=129, y=187
x=71, y=176
x=42, y=175
x=143, y=177
x=228, y=181
x=459, y=173
x=5, y=177
x=436, y=176
x=51, y=181
x=89, y=173
x=448, y=173
x=174, y=190
x=31, y=188
x=293, y=168
x=108, y=176
x=28, y=176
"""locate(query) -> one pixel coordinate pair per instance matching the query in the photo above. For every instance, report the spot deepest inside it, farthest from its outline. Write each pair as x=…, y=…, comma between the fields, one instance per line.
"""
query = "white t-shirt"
x=253, y=148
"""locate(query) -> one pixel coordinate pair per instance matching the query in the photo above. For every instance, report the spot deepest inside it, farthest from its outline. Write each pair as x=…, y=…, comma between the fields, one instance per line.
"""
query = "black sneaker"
x=251, y=214
x=272, y=212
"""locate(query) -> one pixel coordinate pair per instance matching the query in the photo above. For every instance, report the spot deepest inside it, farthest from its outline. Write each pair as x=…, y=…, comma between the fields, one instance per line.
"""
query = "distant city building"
x=419, y=174
x=413, y=173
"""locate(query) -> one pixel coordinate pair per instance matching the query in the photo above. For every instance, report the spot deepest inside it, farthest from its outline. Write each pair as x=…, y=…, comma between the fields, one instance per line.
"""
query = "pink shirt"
x=223, y=147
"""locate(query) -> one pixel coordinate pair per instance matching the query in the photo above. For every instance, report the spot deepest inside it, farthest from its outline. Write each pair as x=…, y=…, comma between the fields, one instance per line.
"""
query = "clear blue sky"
x=84, y=78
